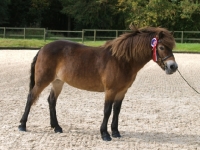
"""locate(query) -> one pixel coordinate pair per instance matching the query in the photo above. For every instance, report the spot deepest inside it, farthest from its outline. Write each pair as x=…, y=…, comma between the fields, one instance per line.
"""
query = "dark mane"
x=129, y=45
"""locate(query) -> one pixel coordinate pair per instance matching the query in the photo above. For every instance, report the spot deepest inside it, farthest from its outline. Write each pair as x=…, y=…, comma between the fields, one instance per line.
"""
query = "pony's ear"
x=133, y=27
x=160, y=35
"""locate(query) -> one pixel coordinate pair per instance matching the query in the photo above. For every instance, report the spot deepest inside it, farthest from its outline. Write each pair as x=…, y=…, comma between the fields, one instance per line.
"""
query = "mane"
x=136, y=45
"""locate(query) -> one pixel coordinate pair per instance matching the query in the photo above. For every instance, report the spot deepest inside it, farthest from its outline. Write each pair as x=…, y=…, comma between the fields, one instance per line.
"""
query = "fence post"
x=83, y=36
x=95, y=32
x=24, y=33
x=116, y=33
x=181, y=36
x=45, y=34
x=4, y=32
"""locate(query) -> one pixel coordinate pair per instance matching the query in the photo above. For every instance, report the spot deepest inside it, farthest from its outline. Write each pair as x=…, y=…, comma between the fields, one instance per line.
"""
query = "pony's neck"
x=143, y=59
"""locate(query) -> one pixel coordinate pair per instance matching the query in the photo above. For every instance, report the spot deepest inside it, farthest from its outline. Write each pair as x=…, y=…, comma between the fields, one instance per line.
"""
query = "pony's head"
x=162, y=46
x=140, y=44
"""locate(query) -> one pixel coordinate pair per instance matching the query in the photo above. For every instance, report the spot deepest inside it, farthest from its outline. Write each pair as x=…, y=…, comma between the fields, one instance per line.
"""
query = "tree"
x=53, y=18
x=149, y=12
x=37, y=11
x=172, y=14
x=4, y=12
x=188, y=15
x=101, y=14
x=18, y=13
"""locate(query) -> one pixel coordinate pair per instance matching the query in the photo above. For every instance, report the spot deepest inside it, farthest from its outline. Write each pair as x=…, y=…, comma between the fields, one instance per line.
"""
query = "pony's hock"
x=110, y=68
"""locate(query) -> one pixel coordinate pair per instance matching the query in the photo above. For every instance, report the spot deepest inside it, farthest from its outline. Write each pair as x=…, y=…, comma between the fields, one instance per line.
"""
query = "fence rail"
x=85, y=34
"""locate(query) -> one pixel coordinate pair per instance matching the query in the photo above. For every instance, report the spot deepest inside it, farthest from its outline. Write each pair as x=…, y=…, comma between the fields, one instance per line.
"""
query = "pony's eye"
x=161, y=47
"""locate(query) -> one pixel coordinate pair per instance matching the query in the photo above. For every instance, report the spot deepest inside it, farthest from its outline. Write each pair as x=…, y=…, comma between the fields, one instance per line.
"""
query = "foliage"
x=4, y=11
x=37, y=11
x=188, y=14
x=18, y=13
x=174, y=14
x=101, y=14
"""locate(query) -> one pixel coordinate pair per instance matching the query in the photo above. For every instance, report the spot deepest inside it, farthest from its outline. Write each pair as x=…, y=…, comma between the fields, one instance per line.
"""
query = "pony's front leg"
x=114, y=125
x=107, y=111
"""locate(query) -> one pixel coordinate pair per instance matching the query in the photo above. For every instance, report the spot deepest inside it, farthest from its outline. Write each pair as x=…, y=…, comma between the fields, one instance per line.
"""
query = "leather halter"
x=163, y=66
x=155, y=54
x=165, y=58
x=162, y=59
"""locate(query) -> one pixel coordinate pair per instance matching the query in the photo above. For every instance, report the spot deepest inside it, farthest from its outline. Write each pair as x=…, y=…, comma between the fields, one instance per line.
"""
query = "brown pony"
x=110, y=68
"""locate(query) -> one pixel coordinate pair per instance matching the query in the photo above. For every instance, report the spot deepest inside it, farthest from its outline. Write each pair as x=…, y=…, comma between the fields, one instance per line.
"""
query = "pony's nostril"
x=173, y=67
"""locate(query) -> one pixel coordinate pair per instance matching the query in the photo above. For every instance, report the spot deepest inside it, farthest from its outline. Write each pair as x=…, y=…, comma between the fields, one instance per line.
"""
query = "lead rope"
x=187, y=82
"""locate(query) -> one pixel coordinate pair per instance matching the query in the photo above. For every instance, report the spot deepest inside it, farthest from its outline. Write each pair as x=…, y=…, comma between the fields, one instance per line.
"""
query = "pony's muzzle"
x=170, y=67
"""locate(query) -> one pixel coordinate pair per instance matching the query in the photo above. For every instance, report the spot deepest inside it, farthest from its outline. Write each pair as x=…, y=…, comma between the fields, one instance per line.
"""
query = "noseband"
x=165, y=58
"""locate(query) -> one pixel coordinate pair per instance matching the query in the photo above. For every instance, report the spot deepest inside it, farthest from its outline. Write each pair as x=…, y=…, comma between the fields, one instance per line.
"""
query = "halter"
x=165, y=58
x=155, y=55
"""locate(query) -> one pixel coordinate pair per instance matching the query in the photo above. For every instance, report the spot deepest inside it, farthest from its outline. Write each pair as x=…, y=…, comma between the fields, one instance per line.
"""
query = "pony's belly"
x=81, y=77
x=89, y=85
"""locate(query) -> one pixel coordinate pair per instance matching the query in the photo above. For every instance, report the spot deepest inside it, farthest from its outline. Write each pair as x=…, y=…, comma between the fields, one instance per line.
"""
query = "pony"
x=110, y=68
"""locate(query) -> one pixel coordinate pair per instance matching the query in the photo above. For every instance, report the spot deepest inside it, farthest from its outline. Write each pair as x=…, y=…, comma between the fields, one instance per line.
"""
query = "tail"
x=32, y=71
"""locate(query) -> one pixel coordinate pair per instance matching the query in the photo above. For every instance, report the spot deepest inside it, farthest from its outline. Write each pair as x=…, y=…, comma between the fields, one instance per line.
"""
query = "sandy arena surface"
x=159, y=111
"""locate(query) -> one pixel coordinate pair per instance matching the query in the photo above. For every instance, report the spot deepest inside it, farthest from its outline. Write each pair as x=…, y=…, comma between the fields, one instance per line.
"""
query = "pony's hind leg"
x=32, y=97
x=55, y=91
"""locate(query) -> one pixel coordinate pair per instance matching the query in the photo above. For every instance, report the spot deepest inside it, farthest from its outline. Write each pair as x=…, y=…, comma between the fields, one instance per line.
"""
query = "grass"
x=187, y=47
x=21, y=43
x=34, y=43
x=94, y=43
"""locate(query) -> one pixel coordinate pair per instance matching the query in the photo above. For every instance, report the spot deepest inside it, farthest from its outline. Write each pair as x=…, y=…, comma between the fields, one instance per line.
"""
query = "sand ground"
x=159, y=111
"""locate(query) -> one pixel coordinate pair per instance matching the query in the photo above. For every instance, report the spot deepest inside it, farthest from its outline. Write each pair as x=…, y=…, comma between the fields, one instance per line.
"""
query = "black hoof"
x=116, y=134
x=21, y=128
x=58, y=130
x=106, y=137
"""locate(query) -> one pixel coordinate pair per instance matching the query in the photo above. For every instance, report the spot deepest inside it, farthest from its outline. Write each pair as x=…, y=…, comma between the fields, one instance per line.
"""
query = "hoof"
x=106, y=137
x=21, y=128
x=116, y=134
x=58, y=130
